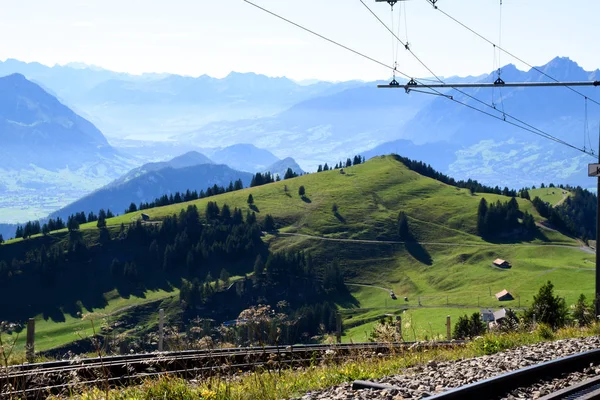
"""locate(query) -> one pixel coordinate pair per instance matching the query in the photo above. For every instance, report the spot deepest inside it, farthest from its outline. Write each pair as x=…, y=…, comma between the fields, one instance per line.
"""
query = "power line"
x=455, y=87
x=319, y=35
x=506, y=51
x=527, y=127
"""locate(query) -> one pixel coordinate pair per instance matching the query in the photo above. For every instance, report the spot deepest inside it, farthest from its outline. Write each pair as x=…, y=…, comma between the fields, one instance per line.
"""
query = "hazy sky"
x=214, y=37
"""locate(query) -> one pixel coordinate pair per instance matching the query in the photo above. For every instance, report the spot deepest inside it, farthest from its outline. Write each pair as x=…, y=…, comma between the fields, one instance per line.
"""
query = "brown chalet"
x=504, y=296
x=500, y=263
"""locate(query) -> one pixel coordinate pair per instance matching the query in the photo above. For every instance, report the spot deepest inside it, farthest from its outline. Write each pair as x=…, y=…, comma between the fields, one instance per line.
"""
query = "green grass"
x=50, y=334
x=296, y=382
x=550, y=195
x=369, y=198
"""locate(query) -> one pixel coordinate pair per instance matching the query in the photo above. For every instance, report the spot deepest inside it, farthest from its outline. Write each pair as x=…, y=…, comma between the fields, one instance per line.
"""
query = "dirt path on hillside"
x=583, y=248
x=561, y=201
x=370, y=286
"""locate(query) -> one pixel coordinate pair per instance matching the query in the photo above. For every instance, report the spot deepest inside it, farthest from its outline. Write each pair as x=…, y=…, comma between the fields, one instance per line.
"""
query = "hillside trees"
x=1, y=239
x=101, y=221
x=72, y=224
x=501, y=218
x=289, y=174
x=428, y=171
x=269, y=223
x=547, y=308
x=469, y=327
x=262, y=179
x=301, y=191
x=583, y=314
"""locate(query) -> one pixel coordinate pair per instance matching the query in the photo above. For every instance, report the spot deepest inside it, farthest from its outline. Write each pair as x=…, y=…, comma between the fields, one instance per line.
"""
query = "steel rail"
x=223, y=351
x=526, y=377
x=210, y=355
x=33, y=379
x=581, y=391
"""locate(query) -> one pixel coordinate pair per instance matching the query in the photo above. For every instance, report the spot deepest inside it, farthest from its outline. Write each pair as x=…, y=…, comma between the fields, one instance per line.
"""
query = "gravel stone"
x=435, y=377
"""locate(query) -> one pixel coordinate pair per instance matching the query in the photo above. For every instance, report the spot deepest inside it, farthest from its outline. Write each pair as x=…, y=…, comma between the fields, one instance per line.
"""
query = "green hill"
x=449, y=264
x=553, y=195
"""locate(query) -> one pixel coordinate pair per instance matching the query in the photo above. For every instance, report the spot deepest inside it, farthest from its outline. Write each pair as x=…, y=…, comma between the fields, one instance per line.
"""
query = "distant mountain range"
x=49, y=154
x=468, y=144
x=162, y=105
x=192, y=170
x=35, y=128
x=153, y=184
x=53, y=122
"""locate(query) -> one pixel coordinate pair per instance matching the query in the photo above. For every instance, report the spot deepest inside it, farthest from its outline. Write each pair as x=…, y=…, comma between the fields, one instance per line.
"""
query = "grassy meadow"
x=448, y=272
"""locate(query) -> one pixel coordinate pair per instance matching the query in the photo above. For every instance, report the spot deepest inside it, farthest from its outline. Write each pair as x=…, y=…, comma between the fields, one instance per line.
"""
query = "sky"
x=215, y=37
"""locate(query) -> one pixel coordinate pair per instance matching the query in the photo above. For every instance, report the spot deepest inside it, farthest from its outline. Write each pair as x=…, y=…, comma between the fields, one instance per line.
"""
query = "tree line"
x=32, y=228
x=474, y=186
x=576, y=215
x=500, y=218
x=349, y=162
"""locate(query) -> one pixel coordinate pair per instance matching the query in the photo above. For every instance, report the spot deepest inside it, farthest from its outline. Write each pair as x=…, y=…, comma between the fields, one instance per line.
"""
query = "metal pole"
x=161, y=329
x=399, y=328
x=597, y=240
x=29, y=347
x=448, y=330
x=338, y=323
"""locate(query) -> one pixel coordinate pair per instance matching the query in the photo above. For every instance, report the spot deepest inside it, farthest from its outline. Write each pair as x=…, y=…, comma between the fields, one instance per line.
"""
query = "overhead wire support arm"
x=489, y=85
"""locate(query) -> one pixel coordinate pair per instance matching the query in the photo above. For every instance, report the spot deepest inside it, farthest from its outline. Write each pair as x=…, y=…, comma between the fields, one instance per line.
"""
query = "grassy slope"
x=549, y=195
x=369, y=198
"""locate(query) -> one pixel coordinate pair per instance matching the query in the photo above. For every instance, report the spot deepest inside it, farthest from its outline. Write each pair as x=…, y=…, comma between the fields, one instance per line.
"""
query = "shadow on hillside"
x=339, y=217
x=520, y=238
x=254, y=208
x=306, y=199
x=420, y=253
x=346, y=300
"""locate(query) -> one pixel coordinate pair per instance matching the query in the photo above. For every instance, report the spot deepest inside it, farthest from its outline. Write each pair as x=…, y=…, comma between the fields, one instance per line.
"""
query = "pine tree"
x=133, y=207
x=269, y=224
x=259, y=266
x=290, y=174
x=302, y=191
x=72, y=224
x=548, y=308
x=403, y=230
x=1, y=239
x=224, y=277
x=251, y=199
x=101, y=222
x=320, y=169
x=482, y=211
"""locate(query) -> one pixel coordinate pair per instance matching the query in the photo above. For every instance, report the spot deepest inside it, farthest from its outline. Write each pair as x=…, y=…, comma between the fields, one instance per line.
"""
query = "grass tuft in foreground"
x=290, y=383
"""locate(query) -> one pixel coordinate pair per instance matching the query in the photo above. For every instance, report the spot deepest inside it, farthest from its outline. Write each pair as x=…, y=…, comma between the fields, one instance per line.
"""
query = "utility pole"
x=594, y=172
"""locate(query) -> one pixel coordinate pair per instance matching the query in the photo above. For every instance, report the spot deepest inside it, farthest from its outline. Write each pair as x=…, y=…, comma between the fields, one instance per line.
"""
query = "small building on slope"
x=500, y=263
x=504, y=296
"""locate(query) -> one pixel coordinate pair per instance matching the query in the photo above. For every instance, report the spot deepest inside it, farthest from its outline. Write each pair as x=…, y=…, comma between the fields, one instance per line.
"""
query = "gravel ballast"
x=436, y=377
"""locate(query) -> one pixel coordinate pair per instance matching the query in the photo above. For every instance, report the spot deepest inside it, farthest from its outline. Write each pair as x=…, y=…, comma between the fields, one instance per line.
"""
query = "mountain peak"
x=16, y=77
x=562, y=69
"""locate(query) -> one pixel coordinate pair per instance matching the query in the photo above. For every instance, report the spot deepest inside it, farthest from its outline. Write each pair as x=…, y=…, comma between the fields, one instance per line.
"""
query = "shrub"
x=548, y=308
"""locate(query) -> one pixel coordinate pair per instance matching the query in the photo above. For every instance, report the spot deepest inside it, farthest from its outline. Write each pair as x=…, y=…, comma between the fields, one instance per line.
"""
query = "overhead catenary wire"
x=492, y=106
x=503, y=50
x=529, y=128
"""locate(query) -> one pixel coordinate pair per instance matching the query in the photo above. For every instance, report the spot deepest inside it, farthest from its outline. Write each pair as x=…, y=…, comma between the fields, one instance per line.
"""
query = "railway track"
x=518, y=384
x=40, y=380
